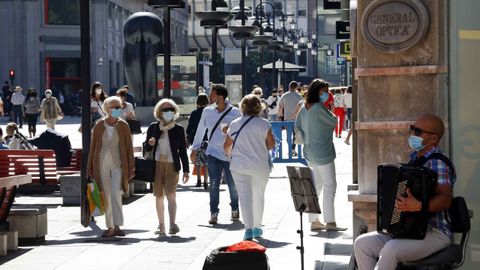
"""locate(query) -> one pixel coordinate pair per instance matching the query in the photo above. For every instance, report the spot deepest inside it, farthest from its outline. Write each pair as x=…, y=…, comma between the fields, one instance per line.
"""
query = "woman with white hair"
x=165, y=142
x=111, y=162
x=248, y=143
x=50, y=110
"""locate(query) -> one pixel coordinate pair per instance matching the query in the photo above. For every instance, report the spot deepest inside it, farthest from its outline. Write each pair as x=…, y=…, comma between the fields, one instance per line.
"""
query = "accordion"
x=393, y=180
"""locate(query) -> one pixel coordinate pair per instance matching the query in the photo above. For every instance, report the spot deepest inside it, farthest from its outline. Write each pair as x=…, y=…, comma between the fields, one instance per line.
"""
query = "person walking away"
x=166, y=143
x=259, y=93
x=98, y=96
x=216, y=119
x=50, y=110
x=286, y=107
x=32, y=108
x=7, y=96
x=17, y=102
x=339, y=111
x=272, y=103
x=248, y=143
x=316, y=123
x=111, y=163
x=200, y=161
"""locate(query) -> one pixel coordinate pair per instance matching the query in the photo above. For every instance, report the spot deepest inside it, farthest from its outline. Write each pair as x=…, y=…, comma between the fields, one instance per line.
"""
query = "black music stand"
x=304, y=198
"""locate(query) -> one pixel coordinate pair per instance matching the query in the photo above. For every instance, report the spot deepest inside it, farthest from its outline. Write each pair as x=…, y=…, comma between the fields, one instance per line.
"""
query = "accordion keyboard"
x=402, y=186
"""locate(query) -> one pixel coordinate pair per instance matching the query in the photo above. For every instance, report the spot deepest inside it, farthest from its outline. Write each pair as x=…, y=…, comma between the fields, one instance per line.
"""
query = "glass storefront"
x=61, y=12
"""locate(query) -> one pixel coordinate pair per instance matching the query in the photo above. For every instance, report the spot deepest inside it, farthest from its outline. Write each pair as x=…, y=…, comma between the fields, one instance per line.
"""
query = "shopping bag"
x=95, y=199
x=144, y=169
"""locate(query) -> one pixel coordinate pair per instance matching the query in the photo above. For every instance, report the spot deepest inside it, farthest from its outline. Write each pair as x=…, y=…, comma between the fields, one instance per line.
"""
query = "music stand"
x=304, y=198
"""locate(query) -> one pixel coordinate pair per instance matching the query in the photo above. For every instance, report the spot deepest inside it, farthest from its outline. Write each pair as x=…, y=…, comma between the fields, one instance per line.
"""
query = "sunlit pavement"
x=70, y=246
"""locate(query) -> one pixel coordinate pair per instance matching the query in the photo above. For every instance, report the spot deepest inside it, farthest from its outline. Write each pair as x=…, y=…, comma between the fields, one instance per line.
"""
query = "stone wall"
x=395, y=88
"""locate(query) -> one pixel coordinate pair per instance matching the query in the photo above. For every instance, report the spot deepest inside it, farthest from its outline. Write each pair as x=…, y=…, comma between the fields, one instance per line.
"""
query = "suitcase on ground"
x=220, y=259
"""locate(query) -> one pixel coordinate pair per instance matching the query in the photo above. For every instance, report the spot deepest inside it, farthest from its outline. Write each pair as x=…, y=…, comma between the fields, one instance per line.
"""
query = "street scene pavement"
x=69, y=245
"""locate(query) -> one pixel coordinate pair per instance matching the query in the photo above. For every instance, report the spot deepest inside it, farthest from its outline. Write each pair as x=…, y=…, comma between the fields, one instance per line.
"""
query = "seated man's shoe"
x=248, y=234
x=213, y=218
x=317, y=226
x=333, y=227
x=257, y=232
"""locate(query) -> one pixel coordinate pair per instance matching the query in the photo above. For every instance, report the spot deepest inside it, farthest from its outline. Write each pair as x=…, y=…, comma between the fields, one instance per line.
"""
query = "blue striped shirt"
x=438, y=219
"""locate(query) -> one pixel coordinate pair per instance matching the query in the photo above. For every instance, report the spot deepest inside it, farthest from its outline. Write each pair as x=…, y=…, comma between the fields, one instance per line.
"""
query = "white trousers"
x=112, y=189
x=324, y=179
x=251, y=194
x=373, y=246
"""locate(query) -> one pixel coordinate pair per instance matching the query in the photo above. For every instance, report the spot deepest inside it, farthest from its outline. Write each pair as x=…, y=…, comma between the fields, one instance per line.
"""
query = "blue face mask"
x=168, y=116
x=324, y=97
x=116, y=113
x=416, y=143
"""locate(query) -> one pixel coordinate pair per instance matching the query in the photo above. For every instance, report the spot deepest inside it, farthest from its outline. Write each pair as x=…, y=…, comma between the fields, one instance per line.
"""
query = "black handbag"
x=135, y=126
x=144, y=169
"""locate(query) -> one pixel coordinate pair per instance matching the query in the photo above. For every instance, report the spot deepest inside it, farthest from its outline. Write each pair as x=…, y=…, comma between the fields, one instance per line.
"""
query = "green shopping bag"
x=95, y=200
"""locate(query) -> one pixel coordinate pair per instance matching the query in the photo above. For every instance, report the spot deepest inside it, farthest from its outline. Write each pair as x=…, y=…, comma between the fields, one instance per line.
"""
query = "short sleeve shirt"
x=289, y=102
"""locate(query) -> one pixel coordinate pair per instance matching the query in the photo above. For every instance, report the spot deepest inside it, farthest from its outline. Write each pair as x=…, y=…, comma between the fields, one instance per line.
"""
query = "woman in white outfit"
x=248, y=142
x=111, y=162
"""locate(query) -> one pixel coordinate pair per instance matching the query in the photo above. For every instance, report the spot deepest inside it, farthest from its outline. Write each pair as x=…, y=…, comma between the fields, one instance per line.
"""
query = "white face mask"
x=48, y=95
x=98, y=91
x=32, y=98
x=168, y=116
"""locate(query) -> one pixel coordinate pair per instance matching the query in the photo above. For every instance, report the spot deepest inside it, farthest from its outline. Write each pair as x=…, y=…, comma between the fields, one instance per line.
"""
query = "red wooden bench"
x=39, y=164
x=8, y=189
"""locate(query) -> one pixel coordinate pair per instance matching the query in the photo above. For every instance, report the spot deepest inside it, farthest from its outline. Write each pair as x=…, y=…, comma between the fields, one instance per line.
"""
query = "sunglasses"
x=116, y=107
x=418, y=131
x=168, y=110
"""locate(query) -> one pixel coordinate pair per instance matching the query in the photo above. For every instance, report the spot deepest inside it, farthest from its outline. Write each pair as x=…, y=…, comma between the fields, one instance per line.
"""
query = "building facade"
x=42, y=41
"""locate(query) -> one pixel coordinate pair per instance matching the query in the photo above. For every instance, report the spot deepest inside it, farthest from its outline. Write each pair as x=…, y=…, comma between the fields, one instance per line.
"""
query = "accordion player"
x=392, y=182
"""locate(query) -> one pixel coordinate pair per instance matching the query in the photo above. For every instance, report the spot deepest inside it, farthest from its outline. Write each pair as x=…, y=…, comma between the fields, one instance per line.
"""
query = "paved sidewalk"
x=70, y=246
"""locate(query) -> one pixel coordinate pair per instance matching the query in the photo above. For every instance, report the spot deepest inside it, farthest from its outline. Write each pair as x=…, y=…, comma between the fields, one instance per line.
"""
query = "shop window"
x=61, y=12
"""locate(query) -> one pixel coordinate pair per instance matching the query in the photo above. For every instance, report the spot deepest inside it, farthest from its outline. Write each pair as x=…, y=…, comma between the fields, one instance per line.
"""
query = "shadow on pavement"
x=175, y=239
x=194, y=189
x=272, y=244
x=12, y=255
x=234, y=226
x=328, y=234
x=338, y=249
x=319, y=265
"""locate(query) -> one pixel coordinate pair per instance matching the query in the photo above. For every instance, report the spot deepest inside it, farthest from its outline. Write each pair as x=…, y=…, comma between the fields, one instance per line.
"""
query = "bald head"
x=431, y=123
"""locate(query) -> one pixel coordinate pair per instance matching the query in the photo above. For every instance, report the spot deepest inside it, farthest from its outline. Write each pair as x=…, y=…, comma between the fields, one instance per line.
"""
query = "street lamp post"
x=167, y=51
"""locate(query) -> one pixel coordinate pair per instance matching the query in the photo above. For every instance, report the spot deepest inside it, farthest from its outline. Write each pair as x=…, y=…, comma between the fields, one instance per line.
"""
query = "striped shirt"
x=438, y=219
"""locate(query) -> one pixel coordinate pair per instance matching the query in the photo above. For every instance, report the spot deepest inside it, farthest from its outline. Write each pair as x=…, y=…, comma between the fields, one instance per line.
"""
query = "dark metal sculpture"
x=143, y=33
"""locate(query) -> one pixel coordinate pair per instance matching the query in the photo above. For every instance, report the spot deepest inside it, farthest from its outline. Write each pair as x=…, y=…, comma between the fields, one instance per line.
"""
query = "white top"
x=18, y=98
x=109, y=130
x=250, y=151
x=338, y=101
x=348, y=99
x=125, y=111
x=270, y=101
x=163, y=148
x=98, y=105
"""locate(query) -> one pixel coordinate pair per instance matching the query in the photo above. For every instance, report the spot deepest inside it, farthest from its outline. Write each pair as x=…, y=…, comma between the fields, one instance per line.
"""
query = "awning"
x=289, y=67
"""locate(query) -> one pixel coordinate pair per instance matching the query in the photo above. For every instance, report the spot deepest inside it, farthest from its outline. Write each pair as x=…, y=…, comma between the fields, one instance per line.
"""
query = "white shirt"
x=18, y=98
x=348, y=100
x=270, y=100
x=163, y=147
x=250, y=151
x=98, y=105
x=209, y=118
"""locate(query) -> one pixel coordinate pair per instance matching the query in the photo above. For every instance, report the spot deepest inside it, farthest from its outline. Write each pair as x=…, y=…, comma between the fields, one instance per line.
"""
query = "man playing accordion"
x=380, y=251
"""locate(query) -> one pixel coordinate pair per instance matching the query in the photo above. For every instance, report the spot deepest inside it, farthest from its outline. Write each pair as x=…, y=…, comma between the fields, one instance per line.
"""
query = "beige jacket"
x=126, y=153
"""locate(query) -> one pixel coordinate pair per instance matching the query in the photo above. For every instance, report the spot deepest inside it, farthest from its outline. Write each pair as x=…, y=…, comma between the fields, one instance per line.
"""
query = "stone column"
x=401, y=49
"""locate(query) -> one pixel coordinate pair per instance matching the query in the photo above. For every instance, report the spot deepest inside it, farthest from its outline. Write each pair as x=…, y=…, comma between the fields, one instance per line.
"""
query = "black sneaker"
x=205, y=185
x=199, y=183
x=213, y=218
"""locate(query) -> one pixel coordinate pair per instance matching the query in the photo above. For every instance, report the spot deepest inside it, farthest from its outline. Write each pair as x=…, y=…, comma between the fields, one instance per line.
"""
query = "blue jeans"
x=215, y=168
x=272, y=117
